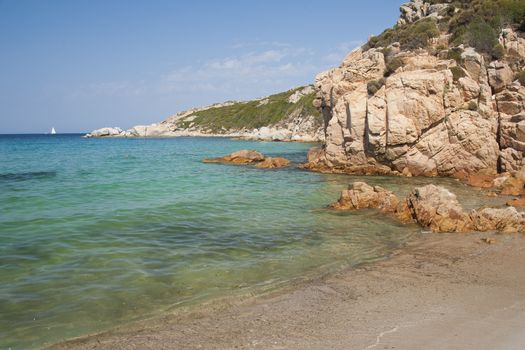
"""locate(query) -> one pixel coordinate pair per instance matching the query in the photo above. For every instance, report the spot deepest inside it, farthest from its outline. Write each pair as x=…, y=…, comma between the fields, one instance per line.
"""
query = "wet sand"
x=443, y=291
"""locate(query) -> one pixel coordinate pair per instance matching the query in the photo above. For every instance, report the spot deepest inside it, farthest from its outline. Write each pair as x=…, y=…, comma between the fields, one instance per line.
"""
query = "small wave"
x=32, y=175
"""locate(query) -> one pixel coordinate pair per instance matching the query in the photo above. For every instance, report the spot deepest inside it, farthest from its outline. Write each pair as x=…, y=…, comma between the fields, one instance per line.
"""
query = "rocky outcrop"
x=107, y=132
x=419, y=9
x=438, y=209
x=424, y=112
x=246, y=157
x=417, y=123
x=360, y=195
x=432, y=207
x=505, y=220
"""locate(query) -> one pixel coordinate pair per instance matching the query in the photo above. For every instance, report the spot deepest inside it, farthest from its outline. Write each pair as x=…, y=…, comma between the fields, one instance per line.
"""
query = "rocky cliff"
x=288, y=116
x=440, y=93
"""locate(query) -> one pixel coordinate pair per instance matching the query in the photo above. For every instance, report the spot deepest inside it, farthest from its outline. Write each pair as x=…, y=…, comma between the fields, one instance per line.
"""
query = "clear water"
x=98, y=232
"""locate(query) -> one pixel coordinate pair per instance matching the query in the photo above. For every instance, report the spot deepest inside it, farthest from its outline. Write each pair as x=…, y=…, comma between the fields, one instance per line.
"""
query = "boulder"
x=500, y=75
x=360, y=195
x=437, y=208
x=498, y=219
x=512, y=186
x=106, y=132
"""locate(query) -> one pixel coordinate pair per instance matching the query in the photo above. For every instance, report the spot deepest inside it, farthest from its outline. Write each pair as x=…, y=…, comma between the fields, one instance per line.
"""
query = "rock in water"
x=273, y=162
x=239, y=157
x=251, y=157
x=438, y=208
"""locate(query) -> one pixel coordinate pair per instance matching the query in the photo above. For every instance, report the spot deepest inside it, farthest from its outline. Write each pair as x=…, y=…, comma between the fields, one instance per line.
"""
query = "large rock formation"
x=432, y=207
x=429, y=112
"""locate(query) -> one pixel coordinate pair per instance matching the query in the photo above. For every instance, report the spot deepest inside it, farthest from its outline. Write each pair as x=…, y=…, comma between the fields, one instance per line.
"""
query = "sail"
x=53, y=131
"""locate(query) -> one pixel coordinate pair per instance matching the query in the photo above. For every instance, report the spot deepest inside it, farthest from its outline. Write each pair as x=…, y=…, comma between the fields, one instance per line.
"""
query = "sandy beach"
x=443, y=291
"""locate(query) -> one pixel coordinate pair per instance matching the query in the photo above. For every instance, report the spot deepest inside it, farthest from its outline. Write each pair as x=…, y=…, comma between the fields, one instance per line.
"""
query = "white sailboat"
x=53, y=131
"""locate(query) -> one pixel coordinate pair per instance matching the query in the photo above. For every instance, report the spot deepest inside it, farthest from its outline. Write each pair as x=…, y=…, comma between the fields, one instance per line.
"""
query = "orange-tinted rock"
x=480, y=180
x=437, y=208
x=512, y=186
x=239, y=157
x=433, y=207
x=273, y=162
x=360, y=195
x=519, y=202
x=498, y=219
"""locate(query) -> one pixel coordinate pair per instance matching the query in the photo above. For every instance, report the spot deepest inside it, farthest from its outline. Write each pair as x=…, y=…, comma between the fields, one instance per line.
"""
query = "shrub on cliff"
x=478, y=22
x=392, y=64
x=481, y=36
x=520, y=76
x=455, y=54
x=410, y=36
x=457, y=73
x=373, y=86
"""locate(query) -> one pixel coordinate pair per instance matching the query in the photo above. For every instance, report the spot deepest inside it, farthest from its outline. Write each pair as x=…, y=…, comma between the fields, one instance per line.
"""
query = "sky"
x=85, y=64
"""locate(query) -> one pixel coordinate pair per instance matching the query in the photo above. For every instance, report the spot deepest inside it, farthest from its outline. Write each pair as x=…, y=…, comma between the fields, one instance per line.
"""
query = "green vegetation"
x=457, y=72
x=392, y=64
x=373, y=86
x=475, y=23
x=472, y=106
x=455, y=54
x=521, y=77
x=410, y=36
x=253, y=114
x=478, y=22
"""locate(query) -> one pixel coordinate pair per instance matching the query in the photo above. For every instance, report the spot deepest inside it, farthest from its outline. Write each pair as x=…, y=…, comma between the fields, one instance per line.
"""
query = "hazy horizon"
x=77, y=66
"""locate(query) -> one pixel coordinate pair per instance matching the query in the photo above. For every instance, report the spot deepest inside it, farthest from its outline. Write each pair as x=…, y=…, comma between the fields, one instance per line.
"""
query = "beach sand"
x=443, y=291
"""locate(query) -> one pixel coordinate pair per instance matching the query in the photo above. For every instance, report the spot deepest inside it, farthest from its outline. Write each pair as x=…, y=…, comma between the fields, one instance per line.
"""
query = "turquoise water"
x=98, y=232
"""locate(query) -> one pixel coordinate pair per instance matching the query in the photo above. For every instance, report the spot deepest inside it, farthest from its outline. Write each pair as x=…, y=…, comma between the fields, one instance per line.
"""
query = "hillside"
x=439, y=93
x=286, y=116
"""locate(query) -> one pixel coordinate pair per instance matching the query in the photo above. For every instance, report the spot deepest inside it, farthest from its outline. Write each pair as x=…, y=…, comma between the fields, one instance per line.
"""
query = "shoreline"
x=439, y=291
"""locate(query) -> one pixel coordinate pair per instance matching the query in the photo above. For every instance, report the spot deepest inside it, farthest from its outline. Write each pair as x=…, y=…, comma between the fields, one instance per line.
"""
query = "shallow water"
x=97, y=232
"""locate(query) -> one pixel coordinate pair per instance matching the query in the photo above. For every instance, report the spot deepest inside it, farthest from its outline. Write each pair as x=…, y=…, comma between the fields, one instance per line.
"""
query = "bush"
x=520, y=76
x=392, y=65
x=498, y=51
x=472, y=106
x=457, y=73
x=478, y=22
x=455, y=54
x=373, y=86
x=410, y=36
x=481, y=36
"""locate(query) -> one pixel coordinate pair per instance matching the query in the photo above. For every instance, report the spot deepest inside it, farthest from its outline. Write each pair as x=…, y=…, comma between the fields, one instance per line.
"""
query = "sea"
x=97, y=233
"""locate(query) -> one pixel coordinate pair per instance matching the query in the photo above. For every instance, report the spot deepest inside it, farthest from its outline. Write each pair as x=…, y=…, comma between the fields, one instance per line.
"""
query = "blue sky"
x=80, y=65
